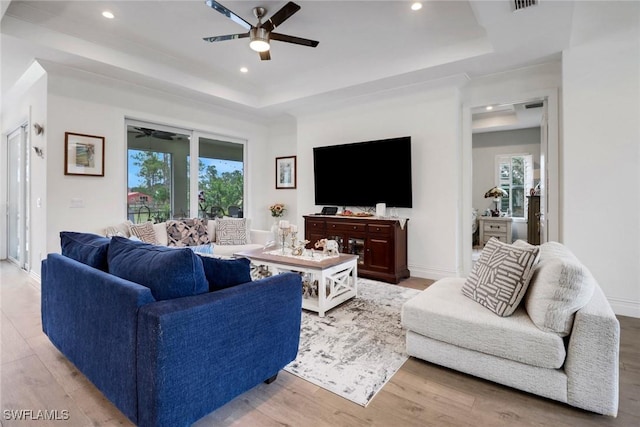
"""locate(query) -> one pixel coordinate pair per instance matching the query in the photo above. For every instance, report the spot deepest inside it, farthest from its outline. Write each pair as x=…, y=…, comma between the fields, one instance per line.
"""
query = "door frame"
x=24, y=261
x=553, y=229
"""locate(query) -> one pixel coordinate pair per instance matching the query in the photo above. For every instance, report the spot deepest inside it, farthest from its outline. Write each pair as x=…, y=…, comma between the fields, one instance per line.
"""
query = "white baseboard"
x=624, y=307
x=430, y=273
x=35, y=276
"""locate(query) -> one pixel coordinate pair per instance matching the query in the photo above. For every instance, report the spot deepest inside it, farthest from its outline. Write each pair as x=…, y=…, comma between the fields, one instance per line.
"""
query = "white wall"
x=432, y=119
x=601, y=155
x=282, y=143
x=95, y=106
x=486, y=146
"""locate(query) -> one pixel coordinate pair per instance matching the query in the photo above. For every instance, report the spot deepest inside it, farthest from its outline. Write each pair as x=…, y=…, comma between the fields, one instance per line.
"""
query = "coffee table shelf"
x=337, y=277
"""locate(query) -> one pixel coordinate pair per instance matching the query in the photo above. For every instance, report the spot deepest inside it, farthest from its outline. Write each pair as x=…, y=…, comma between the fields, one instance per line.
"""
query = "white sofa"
x=257, y=238
x=525, y=350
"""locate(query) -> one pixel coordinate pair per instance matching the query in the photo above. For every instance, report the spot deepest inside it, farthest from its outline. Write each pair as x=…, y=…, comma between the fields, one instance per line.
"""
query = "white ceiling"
x=365, y=46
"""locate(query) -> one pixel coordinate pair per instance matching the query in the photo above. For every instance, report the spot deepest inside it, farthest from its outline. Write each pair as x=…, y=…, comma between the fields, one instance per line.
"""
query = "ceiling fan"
x=160, y=134
x=261, y=34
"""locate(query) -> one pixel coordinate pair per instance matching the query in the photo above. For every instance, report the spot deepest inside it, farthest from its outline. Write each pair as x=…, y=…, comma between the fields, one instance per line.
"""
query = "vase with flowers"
x=277, y=211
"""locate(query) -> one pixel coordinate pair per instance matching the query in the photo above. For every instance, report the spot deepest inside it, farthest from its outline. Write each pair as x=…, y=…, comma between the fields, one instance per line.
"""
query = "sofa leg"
x=270, y=380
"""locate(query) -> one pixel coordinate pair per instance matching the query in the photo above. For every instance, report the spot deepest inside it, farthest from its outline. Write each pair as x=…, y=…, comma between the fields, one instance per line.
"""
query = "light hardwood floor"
x=35, y=376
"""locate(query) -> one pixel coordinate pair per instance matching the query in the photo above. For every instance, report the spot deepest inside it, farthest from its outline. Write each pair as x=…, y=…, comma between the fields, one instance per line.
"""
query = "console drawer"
x=346, y=226
x=380, y=229
x=315, y=225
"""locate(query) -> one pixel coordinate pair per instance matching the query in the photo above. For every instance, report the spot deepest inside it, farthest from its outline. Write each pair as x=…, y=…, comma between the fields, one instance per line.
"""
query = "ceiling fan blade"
x=293, y=39
x=280, y=16
x=226, y=37
x=229, y=14
x=265, y=56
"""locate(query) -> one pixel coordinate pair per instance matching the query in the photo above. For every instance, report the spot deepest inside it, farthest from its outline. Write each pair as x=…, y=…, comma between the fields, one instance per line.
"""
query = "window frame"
x=194, y=136
x=528, y=179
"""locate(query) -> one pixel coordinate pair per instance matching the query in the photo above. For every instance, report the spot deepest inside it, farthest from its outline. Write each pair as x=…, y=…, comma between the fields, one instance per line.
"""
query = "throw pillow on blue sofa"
x=168, y=272
x=224, y=273
x=87, y=248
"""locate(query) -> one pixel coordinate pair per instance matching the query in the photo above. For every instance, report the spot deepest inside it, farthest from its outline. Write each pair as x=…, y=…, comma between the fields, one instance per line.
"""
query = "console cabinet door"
x=379, y=254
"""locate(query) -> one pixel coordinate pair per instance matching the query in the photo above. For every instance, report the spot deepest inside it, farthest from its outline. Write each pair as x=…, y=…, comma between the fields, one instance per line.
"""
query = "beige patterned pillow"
x=560, y=286
x=500, y=277
x=144, y=232
x=187, y=232
x=231, y=231
x=123, y=230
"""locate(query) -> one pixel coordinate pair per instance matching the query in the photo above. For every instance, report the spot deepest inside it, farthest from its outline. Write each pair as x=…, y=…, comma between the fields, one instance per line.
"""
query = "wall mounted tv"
x=364, y=173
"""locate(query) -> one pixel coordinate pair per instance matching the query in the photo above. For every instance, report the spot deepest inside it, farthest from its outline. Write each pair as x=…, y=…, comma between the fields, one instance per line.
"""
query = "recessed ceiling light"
x=244, y=70
x=489, y=107
x=108, y=14
x=416, y=6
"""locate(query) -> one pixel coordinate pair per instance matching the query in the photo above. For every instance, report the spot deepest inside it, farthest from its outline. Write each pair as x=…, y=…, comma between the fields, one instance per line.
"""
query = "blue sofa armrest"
x=91, y=317
x=197, y=353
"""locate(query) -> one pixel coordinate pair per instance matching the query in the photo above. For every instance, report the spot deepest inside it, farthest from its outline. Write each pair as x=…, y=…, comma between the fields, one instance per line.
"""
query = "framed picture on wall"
x=83, y=154
x=285, y=172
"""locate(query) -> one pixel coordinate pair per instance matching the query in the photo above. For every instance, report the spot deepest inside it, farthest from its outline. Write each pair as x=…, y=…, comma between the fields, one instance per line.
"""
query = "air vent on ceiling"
x=523, y=4
x=533, y=105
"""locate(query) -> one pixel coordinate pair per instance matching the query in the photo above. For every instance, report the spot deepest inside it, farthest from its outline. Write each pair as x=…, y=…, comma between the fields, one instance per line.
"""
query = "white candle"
x=284, y=223
x=294, y=228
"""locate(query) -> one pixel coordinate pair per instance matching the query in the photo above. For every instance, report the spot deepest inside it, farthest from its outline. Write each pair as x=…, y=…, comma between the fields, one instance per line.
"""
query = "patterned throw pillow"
x=500, y=277
x=187, y=232
x=144, y=232
x=123, y=229
x=231, y=231
x=559, y=287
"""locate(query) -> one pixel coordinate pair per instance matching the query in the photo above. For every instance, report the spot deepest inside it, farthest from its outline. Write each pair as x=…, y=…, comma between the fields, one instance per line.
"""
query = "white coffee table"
x=339, y=274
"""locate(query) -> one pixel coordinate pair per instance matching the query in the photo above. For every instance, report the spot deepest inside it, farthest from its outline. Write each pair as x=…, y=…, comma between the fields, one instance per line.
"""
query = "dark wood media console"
x=381, y=244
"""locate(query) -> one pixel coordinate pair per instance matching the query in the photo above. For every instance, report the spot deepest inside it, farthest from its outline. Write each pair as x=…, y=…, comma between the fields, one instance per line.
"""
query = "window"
x=515, y=176
x=159, y=183
x=221, y=178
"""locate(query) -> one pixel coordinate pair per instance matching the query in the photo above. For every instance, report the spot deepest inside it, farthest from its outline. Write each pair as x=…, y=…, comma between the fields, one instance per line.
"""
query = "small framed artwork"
x=83, y=154
x=285, y=172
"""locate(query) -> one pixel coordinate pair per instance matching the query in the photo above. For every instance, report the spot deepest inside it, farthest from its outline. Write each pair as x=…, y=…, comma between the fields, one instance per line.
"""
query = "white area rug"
x=357, y=347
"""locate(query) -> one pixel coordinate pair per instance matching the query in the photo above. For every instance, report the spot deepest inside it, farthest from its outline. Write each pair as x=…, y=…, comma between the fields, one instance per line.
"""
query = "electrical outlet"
x=77, y=203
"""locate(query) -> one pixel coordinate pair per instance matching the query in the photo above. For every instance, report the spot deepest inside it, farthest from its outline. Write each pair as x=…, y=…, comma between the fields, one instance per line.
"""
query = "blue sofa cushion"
x=224, y=273
x=168, y=272
x=87, y=248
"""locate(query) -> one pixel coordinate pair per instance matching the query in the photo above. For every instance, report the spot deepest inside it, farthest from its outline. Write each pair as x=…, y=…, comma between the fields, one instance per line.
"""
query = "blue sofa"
x=165, y=359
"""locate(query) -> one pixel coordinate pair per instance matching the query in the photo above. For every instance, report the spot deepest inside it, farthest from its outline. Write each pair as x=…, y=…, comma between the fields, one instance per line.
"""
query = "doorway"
x=18, y=197
x=548, y=179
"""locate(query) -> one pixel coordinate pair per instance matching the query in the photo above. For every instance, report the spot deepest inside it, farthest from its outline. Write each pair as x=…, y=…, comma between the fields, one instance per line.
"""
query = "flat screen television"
x=364, y=173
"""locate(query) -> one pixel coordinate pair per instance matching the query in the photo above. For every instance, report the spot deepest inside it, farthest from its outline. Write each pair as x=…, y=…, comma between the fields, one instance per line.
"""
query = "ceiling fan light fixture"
x=259, y=39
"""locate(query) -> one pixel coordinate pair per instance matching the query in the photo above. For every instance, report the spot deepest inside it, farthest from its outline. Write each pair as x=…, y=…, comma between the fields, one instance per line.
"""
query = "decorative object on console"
x=496, y=193
x=83, y=154
x=286, y=172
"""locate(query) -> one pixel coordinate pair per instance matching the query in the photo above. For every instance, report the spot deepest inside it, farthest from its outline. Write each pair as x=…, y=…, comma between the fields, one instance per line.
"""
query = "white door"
x=17, y=197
